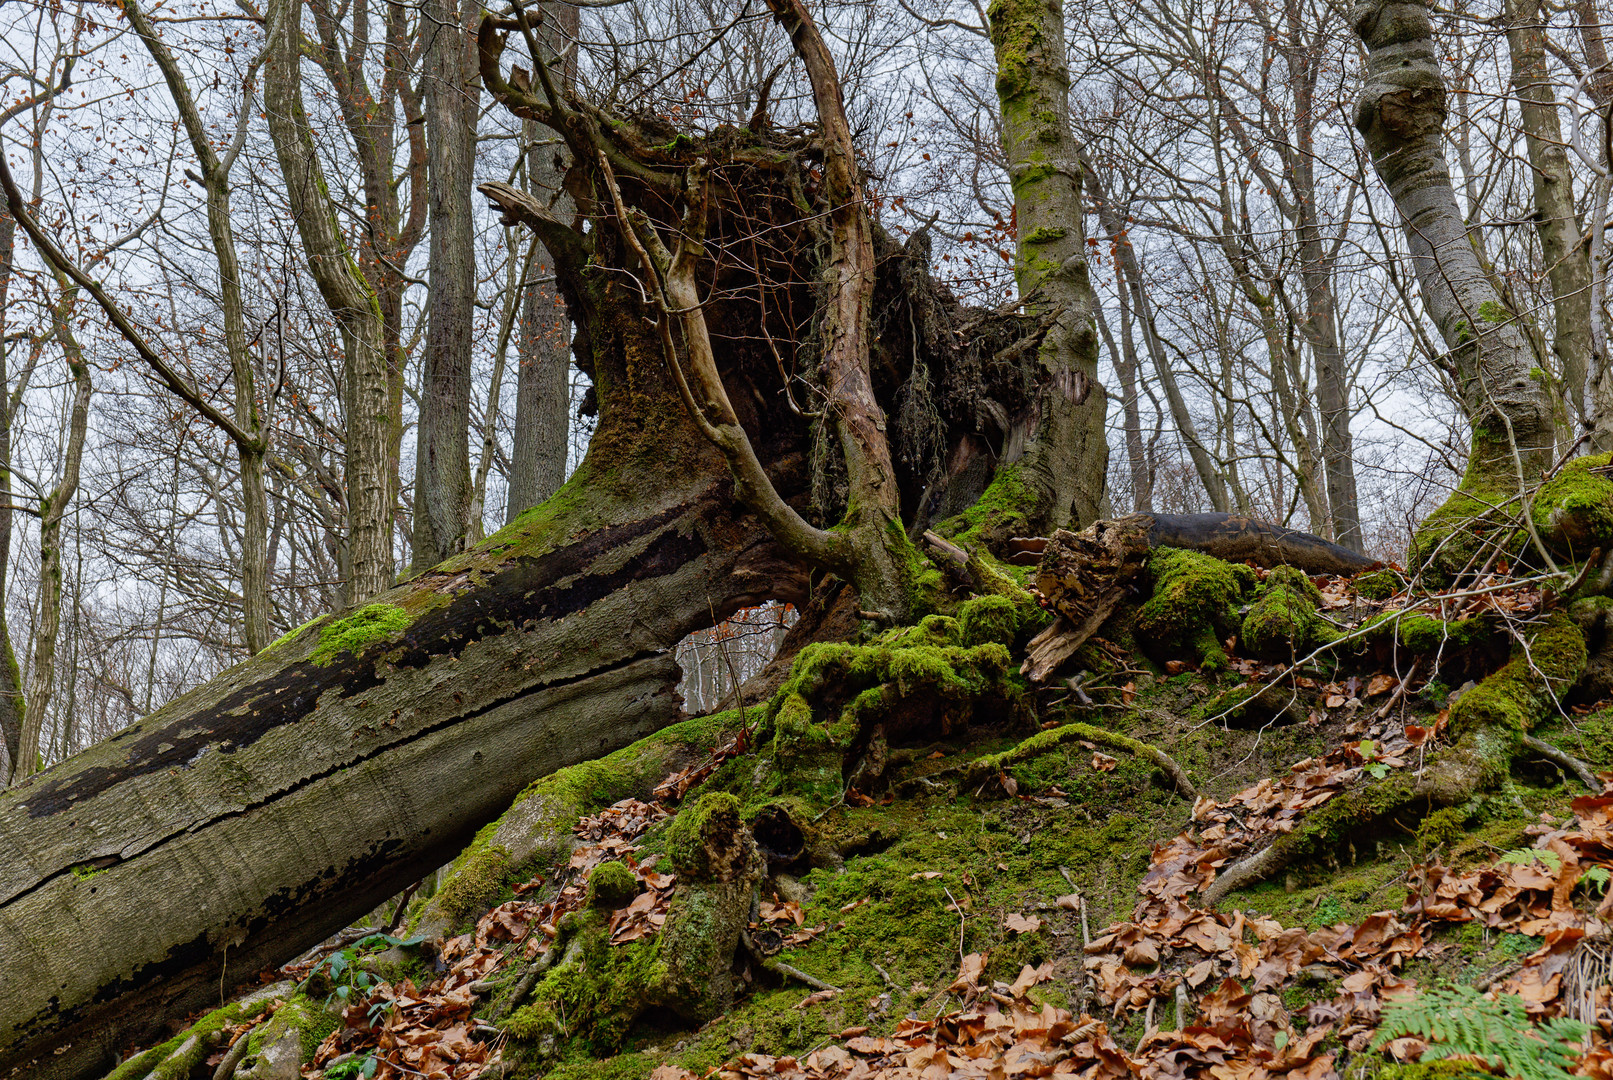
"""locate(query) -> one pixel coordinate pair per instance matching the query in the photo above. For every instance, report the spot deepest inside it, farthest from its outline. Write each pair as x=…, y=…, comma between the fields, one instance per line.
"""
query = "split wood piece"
x=1084, y=576
x=1045, y=742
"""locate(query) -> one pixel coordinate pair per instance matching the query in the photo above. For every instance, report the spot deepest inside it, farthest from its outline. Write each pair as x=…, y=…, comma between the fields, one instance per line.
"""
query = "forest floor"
x=1003, y=899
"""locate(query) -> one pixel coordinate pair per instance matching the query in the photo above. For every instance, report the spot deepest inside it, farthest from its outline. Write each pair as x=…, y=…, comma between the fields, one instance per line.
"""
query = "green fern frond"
x=1461, y=1022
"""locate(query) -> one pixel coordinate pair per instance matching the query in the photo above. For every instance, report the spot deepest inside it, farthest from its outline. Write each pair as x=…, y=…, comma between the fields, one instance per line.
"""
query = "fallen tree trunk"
x=251, y=818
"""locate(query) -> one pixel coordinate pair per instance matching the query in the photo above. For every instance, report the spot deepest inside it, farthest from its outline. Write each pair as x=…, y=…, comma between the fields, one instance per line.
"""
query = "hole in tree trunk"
x=720, y=658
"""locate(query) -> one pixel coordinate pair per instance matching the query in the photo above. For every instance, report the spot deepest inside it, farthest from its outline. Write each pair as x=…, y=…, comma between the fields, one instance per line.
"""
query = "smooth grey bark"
x=543, y=345
x=1566, y=260
x=1401, y=116
x=442, y=488
x=1066, y=457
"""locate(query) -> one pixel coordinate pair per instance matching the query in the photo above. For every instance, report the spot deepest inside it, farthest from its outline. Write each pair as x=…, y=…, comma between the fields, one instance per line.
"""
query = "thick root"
x=982, y=769
x=183, y=1055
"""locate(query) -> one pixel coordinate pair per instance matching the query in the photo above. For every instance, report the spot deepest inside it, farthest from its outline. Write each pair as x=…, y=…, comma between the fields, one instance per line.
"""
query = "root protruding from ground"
x=982, y=769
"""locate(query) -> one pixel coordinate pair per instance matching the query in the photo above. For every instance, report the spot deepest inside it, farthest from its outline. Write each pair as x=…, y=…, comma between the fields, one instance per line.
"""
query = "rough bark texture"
x=1066, y=453
x=442, y=486
x=1401, y=116
x=351, y=300
x=1566, y=260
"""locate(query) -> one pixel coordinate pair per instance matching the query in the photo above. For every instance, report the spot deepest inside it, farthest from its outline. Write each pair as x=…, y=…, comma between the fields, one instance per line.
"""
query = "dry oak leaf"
x=1022, y=924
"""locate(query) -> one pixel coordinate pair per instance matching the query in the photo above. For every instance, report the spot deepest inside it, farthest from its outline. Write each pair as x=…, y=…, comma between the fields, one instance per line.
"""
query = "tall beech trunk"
x=442, y=478
x=1567, y=262
x=1401, y=116
x=351, y=301
x=52, y=509
x=1066, y=454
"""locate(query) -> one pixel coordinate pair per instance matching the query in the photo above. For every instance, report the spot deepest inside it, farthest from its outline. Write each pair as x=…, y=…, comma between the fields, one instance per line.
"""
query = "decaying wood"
x=1085, y=576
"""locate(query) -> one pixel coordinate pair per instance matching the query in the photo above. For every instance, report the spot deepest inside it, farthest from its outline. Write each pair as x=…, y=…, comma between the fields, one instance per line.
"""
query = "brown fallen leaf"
x=1381, y=684
x=1103, y=762
x=1071, y=902
x=817, y=998
x=974, y=966
x=1022, y=924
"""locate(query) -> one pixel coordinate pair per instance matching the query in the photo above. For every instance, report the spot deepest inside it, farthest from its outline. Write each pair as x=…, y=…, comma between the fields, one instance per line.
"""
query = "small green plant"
x=344, y=971
x=1552, y=861
x=1462, y=1023
x=354, y=1068
x=1369, y=758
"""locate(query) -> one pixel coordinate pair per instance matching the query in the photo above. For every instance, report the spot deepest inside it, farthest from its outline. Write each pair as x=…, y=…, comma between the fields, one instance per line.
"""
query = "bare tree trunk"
x=1566, y=261
x=52, y=509
x=256, y=623
x=542, y=387
x=351, y=301
x=11, y=699
x=1401, y=116
x=1067, y=453
x=442, y=489
x=1127, y=370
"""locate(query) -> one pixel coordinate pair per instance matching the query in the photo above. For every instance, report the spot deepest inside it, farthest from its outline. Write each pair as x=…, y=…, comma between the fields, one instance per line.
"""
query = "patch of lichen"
x=1193, y=605
x=1283, y=623
x=1573, y=510
x=1526, y=688
x=370, y=623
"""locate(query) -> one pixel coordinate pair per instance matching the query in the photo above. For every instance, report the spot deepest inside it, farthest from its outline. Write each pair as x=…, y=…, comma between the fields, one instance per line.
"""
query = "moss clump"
x=180, y=1056
x=370, y=623
x=1379, y=584
x=1444, y=826
x=1192, y=606
x=1470, y=525
x=1573, y=510
x=611, y=885
x=1284, y=623
x=1425, y=634
x=837, y=694
x=1512, y=699
x=480, y=874
x=986, y=620
x=295, y=632
x=695, y=838
x=1003, y=510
